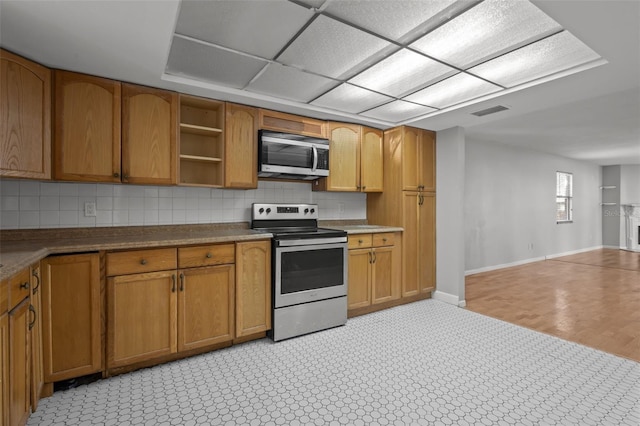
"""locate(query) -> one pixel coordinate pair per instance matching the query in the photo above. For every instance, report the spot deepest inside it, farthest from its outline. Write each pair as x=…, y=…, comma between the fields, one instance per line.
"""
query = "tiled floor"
x=422, y=363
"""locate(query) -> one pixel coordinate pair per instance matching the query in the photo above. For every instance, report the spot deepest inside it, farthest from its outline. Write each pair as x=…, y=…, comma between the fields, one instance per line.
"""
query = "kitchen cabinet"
x=374, y=269
x=201, y=142
x=4, y=368
x=35, y=335
x=241, y=147
x=408, y=201
x=25, y=118
x=19, y=392
x=86, y=143
x=289, y=123
x=71, y=316
x=166, y=301
x=149, y=135
x=355, y=159
x=253, y=287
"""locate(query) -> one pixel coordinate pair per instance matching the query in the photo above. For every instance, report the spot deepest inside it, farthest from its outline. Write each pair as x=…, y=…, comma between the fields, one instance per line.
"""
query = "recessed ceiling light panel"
x=290, y=83
x=454, y=90
x=551, y=55
x=485, y=31
x=331, y=48
x=349, y=98
x=397, y=111
x=403, y=72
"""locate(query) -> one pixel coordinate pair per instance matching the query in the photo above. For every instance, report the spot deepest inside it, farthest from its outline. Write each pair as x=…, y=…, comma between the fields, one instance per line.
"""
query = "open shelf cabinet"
x=201, y=142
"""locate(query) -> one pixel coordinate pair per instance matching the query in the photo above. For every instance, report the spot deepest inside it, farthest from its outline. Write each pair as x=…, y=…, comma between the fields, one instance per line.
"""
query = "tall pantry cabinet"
x=408, y=201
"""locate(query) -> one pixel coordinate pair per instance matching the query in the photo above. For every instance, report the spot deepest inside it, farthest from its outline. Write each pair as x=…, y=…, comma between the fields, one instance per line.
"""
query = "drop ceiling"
x=388, y=61
x=397, y=73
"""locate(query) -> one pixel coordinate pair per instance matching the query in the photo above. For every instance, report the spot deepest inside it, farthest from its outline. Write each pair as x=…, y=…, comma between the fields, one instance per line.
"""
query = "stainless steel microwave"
x=290, y=156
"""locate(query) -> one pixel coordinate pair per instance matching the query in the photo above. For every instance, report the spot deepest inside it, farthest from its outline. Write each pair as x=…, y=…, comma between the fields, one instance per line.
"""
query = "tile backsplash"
x=28, y=204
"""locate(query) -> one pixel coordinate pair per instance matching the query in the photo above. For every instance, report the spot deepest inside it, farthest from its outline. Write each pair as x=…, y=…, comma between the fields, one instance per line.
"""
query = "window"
x=564, y=197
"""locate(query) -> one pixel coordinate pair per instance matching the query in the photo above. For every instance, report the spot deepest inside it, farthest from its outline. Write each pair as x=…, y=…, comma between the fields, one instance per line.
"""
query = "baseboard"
x=567, y=253
x=451, y=299
x=503, y=265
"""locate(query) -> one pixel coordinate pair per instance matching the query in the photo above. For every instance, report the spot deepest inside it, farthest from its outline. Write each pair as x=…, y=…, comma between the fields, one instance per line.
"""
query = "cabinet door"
x=427, y=157
x=289, y=123
x=71, y=327
x=205, y=306
x=359, y=288
x=241, y=147
x=37, y=367
x=382, y=276
x=4, y=369
x=344, y=157
x=142, y=317
x=87, y=128
x=427, y=242
x=19, y=395
x=253, y=287
x=25, y=118
x=411, y=161
x=371, y=166
x=411, y=245
x=149, y=134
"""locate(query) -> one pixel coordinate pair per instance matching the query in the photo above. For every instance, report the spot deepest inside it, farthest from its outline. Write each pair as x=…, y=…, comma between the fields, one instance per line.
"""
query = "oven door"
x=307, y=273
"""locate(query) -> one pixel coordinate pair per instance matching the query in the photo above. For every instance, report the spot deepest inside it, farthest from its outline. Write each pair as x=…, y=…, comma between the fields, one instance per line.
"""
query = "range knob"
x=268, y=210
x=306, y=211
x=313, y=210
x=261, y=210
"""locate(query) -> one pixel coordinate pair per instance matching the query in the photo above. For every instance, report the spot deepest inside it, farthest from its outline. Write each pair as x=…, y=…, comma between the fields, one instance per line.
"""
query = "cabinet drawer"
x=190, y=257
x=383, y=239
x=134, y=262
x=359, y=241
x=19, y=287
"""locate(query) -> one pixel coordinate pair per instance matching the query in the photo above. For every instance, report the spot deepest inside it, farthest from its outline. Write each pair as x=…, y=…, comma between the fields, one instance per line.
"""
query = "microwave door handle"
x=315, y=159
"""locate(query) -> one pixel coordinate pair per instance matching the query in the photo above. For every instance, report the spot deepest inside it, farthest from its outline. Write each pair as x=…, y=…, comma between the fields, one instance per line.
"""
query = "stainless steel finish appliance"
x=309, y=271
x=285, y=155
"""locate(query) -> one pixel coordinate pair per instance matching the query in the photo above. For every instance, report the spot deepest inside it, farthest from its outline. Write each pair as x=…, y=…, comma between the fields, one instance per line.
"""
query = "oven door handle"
x=311, y=241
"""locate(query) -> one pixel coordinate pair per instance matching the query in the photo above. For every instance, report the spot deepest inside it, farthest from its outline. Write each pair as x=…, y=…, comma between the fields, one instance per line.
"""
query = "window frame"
x=568, y=198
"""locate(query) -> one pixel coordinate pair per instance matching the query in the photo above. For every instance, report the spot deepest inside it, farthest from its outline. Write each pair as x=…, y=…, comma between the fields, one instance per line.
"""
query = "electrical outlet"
x=90, y=209
x=341, y=207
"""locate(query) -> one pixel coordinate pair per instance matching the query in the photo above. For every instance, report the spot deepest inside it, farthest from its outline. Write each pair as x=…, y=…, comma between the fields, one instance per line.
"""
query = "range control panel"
x=261, y=211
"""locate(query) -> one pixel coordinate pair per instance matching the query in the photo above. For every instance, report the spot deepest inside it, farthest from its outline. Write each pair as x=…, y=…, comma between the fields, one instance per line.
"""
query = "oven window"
x=279, y=154
x=312, y=269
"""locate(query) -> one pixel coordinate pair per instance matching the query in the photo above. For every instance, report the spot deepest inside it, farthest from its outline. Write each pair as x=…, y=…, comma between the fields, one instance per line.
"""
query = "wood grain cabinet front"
x=4, y=369
x=25, y=118
x=19, y=367
x=71, y=316
x=35, y=336
x=253, y=287
x=241, y=147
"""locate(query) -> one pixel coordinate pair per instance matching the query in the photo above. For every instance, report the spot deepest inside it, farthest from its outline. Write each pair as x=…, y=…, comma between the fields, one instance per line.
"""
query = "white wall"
x=33, y=204
x=509, y=206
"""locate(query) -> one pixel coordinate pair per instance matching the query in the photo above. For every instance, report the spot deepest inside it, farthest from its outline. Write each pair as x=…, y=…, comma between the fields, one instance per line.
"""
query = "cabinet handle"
x=370, y=258
x=360, y=241
x=35, y=274
x=35, y=316
x=384, y=240
x=24, y=286
x=143, y=262
x=173, y=286
x=181, y=282
x=209, y=255
x=364, y=187
x=358, y=187
x=116, y=174
x=374, y=257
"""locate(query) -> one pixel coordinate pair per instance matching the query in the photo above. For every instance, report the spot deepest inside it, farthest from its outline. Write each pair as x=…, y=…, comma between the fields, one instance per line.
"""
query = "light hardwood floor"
x=591, y=298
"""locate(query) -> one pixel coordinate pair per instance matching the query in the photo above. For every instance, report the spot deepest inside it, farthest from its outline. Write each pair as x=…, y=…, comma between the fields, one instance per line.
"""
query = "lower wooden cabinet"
x=19, y=368
x=253, y=287
x=71, y=311
x=374, y=269
x=4, y=369
x=37, y=362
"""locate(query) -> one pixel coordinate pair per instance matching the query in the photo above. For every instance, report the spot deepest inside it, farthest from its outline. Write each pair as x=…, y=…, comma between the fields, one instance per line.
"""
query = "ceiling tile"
x=459, y=88
x=485, y=31
x=290, y=83
x=401, y=73
x=397, y=111
x=553, y=54
x=391, y=19
x=203, y=62
x=331, y=48
x=313, y=3
x=261, y=28
x=351, y=99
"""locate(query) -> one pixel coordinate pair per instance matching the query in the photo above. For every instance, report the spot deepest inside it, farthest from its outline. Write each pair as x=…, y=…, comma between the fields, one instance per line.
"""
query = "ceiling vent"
x=491, y=110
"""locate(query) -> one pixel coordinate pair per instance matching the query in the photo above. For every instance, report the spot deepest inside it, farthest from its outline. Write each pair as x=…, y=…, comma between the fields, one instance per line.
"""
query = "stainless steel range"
x=309, y=269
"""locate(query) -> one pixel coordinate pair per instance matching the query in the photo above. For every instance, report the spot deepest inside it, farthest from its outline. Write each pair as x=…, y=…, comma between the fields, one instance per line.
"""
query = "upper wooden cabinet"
x=355, y=159
x=289, y=123
x=413, y=156
x=149, y=133
x=25, y=118
x=241, y=147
